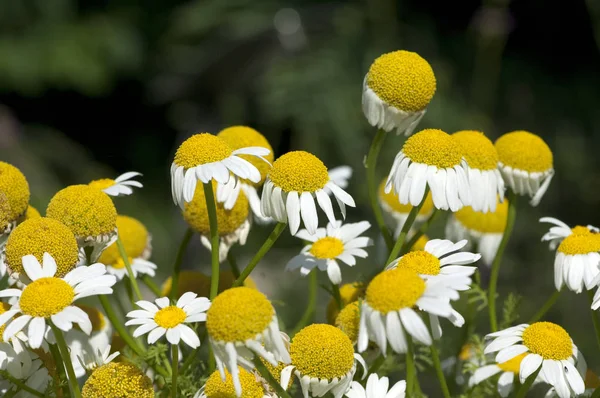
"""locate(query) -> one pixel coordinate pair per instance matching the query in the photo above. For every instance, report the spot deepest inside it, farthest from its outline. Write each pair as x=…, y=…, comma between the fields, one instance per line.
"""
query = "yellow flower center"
x=45, y=297
x=238, y=137
x=422, y=262
x=490, y=222
x=14, y=185
x=580, y=230
x=580, y=243
x=403, y=80
x=327, y=248
x=420, y=243
x=87, y=211
x=322, y=351
x=32, y=212
x=524, y=151
x=5, y=212
x=3, y=308
x=513, y=365
x=102, y=183
x=349, y=293
x=548, y=340
x=466, y=352
x=299, y=171
x=42, y=235
x=238, y=314
x=392, y=201
x=276, y=372
x=395, y=289
x=96, y=317
x=433, y=148
x=195, y=213
x=134, y=236
x=197, y=282
x=169, y=317
x=118, y=379
x=202, y=149
x=479, y=151
x=215, y=387
x=348, y=319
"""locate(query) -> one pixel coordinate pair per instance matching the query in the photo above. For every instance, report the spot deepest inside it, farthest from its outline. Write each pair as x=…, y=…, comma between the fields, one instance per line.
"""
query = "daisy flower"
x=216, y=387
x=431, y=158
x=241, y=322
x=397, y=212
x=293, y=183
x=162, y=318
x=397, y=90
x=50, y=298
x=92, y=361
x=27, y=367
x=120, y=186
x=205, y=157
x=14, y=197
x=560, y=231
x=546, y=345
x=377, y=388
x=340, y=176
x=336, y=242
x=525, y=162
x=118, y=379
x=591, y=380
x=507, y=370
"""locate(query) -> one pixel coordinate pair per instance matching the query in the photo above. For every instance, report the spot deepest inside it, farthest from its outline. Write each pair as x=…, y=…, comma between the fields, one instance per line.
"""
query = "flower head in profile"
x=216, y=387
x=377, y=388
x=120, y=186
x=508, y=371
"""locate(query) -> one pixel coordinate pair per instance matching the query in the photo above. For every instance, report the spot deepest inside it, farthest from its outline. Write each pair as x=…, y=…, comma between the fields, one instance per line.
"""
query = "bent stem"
x=130, y=273
x=312, y=301
x=510, y=222
x=264, y=372
x=178, y=260
x=595, y=318
x=66, y=356
x=528, y=383
x=422, y=231
x=546, y=307
x=175, y=355
x=214, y=238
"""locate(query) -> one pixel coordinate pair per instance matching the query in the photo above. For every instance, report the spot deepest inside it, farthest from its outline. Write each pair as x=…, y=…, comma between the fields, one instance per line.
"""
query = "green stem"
x=411, y=370
x=123, y=333
x=60, y=367
x=132, y=278
x=312, y=301
x=233, y=264
x=510, y=222
x=178, y=260
x=261, y=253
x=596, y=393
x=335, y=292
x=376, y=364
x=66, y=356
x=527, y=385
x=438, y=370
x=175, y=355
x=546, y=307
x=595, y=318
x=188, y=361
x=21, y=385
x=151, y=285
x=372, y=186
x=420, y=232
x=264, y=372
x=214, y=238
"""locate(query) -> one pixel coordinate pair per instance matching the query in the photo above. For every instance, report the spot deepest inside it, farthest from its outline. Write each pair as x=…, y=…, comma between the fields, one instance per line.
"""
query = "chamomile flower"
x=241, y=322
x=377, y=388
x=163, y=318
x=592, y=382
x=397, y=212
x=293, y=183
x=197, y=282
x=485, y=181
x=31, y=212
x=560, y=231
x=348, y=320
x=525, y=162
x=85, y=349
x=14, y=196
x=205, y=157
x=349, y=293
x=217, y=387
x=31, y=370
x=100, y=358
x=508, y=371
x=397, y=90
x=120, y=186
x=340, y=176
x=545, y=345
x=50, y=298
x=336, y=242
x=323, y=360
x=431, y=158
x=118, y=379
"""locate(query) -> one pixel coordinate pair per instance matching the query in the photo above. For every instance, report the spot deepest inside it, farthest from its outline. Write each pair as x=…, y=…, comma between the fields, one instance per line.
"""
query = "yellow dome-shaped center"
x=202, y=149
x=403, y=80
x=215, y=387
x=322, y=351
x=45, y=297
x=580, y=243
x=38, y=236
x=393, y=202
x=523, y=150
x=96, y=317
x=169, y=317
x=32, y=212
x=487, y=223
x=238, y=137
x=14, y=185
x=422, y=262
x=548, y=340
x=133, y=235
x=580, y=230
x=3, y=308
x=348, y=319
x=102, y=183
x=238, y=314
x=5, y=213
x=478, y=150
x=327, y=248
x=394, y=290
x=433, y=148
x=299, y=171
x=118, y=379
x=87, y=211
x=513, y=365
x=197, y=282
x=349, y=293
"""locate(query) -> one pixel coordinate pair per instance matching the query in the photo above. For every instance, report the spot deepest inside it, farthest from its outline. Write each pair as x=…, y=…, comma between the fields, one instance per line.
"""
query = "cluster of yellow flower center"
x=513, y=365
x=5, y=212
x=87, y=211
x=32, y=212
x=581, y=241
x=322, y=351
x=478, y=150
x=548, y=340
x=96, y=317
x=102, y=183
x=327, y=248
x=487, y=223
x=14, y=185
x=202, y=149
x=299, y=171
x=420, y=261
x=169, y=317
x=45, y=297
x=133, y=235
x=239, y=314
x=238, y=137
x=118, y=379
x=3, y=308
x=392, y=201
x=215, y=387
x=403, y=80
x=394, y=290
x=523, y=150
x=348, y=319
x=349, y=293
x=434, y=148
x=38, y=236
x=197, y=282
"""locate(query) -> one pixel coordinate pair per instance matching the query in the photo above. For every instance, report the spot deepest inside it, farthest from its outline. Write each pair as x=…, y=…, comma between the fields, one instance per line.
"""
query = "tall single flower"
x=120, y=186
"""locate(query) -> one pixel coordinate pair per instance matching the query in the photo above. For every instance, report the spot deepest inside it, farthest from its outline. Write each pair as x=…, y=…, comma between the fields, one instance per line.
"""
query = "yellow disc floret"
x=87, y=211
x=348, y=319
x=523, y=150
x=45, y=297
x=327, y=248
x=96, y=317
x=299, y=171
x=394, y=290
x=322, y=351
x=133, y=235
x=42, y=235
x=5, y=213
x=403, y=80
x=169, y=317
x=32, y=212
x=478, y=150
x=548, y=340
x=580, y=243
x=434, y=148
x=201, y=149
x=421, y=262
x=239, y=314
x=14, y=185
x=118, y=379
x=102, y=183
x=580, y=230
x=513, y=365
x=197, y=282
x=349, y=293
x=487, y=223
x=392, y=202
x=215, y=387
x=238, y=137
x=3, y=308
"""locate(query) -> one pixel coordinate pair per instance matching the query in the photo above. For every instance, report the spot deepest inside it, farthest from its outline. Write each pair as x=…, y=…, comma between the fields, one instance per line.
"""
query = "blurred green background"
x=91, y=89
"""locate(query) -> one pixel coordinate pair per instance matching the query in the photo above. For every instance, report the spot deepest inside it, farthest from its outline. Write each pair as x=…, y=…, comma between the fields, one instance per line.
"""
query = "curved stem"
x=335, y=290
x=214, y=238
x=151, y=285
x=438, y=370
x=546, y=307
x=18, y=383
x=114, y=320
x=175, y=355
x=527, y=385
x=178, y=260
x=312, y=301
x=130, y=273
x=595, y=318
x=234, y=265
x=510, y=222
x=422, y=231
x=279, y=227
x=264, y=372
x=66, y=356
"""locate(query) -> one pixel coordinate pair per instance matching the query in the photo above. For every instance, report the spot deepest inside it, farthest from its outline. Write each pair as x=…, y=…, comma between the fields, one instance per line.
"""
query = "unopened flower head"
x=216, y=387
x=120, y=186
x=377, y=388
x=398, y=212
x=15, y=196
x=348, y=319
x=508, y=371
x=118, y=379
x=349, y=293
x=397, y=90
